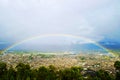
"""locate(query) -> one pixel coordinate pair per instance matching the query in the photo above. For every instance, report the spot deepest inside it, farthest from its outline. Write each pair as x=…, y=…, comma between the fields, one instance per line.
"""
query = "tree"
x=104, y=75
x=42, y=73
x=11, y=74
x=73, y=73
x=52, y=74
x=117, y=67
x=3, y=70
x=23, y=71
x=34, y=74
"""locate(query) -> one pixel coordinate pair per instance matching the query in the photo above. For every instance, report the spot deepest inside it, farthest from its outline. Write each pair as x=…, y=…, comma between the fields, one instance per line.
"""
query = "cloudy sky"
x=94, y=19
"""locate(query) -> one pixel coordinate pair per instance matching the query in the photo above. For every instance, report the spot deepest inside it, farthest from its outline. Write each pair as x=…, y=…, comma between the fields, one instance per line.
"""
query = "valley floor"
x=87, y=61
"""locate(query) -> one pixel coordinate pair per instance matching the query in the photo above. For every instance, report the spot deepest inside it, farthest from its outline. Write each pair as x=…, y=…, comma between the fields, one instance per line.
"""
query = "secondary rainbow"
x=56, y=35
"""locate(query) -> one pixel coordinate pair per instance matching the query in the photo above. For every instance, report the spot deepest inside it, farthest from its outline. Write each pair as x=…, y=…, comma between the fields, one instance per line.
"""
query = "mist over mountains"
x=76, y=47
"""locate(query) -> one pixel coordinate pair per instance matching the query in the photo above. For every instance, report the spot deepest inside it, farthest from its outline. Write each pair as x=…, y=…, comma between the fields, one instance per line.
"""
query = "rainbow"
x=56, y=35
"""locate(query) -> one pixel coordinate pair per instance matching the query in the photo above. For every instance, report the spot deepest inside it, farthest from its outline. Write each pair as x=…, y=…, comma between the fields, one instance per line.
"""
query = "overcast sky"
x=94, y=19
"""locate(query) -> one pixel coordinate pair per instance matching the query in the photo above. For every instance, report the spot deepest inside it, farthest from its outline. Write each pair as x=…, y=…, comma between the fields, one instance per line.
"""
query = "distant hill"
x=73, y=47
x=3, y=46
x=110, y=44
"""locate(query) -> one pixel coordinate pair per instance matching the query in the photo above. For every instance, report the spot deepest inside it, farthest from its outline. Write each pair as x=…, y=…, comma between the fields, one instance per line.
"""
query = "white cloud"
x=23, y=18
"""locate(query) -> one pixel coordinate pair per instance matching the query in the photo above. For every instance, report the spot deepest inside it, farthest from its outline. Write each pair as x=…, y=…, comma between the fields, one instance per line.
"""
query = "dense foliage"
x=25, y=72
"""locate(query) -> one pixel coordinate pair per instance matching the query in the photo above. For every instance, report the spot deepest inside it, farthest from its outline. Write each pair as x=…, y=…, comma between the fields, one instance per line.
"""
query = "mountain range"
x=106, y=43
